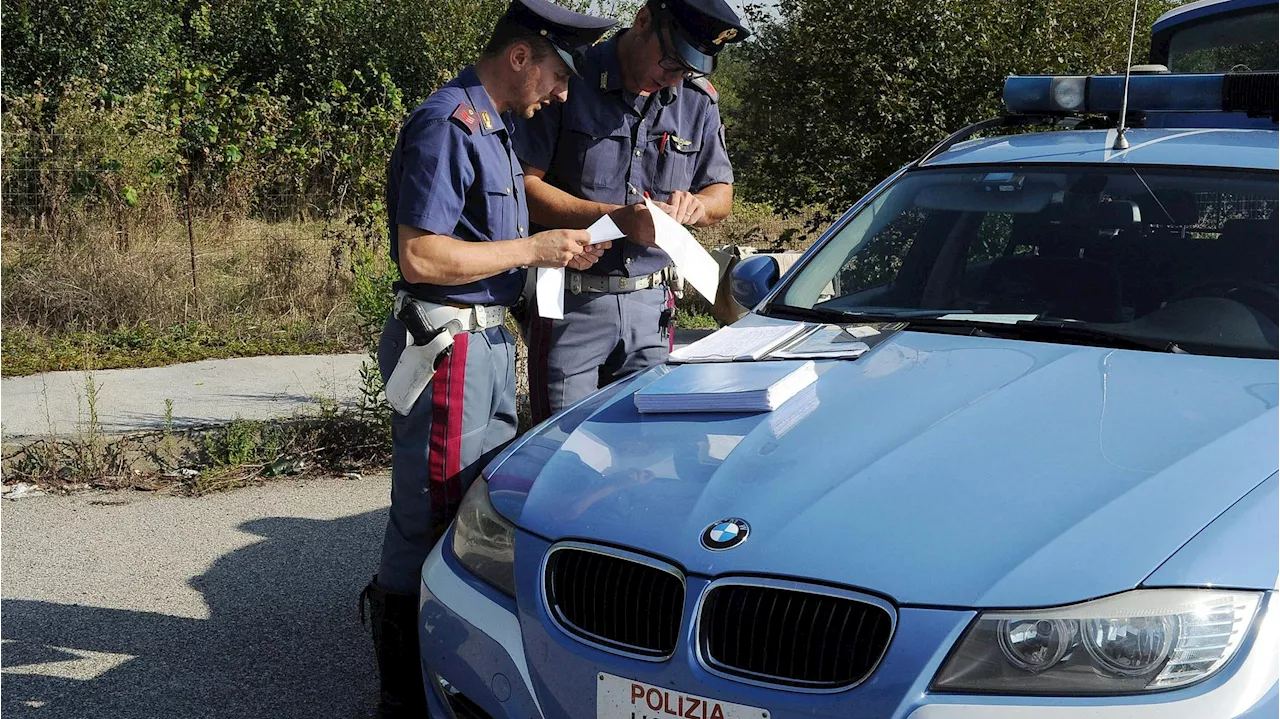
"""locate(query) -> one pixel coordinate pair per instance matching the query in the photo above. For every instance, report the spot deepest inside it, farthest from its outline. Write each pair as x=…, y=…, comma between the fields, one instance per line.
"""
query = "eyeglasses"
x=669, y=62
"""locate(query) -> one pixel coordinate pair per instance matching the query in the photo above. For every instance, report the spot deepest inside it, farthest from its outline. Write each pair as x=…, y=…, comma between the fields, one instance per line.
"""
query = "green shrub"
x=842, y=94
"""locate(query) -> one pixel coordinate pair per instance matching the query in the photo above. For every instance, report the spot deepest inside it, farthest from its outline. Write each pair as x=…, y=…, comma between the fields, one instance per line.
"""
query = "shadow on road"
x=283, y=638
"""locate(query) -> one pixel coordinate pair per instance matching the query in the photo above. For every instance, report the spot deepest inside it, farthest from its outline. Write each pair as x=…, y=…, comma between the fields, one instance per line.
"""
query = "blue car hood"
x=936, y=470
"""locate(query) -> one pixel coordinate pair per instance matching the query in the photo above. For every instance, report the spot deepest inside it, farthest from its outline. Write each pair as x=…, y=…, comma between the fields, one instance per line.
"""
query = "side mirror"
x=752, y=279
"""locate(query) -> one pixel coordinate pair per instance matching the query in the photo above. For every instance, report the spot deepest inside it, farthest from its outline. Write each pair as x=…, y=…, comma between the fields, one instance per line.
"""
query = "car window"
x=1186, y=255
x=1229, y=43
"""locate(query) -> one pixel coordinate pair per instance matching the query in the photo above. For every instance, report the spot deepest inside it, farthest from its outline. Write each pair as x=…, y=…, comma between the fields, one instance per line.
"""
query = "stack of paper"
x=793, y=411
x=726, y=387
x=738, y=343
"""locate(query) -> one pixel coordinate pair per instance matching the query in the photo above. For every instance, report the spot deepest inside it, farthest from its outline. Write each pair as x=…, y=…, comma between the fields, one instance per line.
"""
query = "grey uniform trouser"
x=603, y=337
x=461, y=421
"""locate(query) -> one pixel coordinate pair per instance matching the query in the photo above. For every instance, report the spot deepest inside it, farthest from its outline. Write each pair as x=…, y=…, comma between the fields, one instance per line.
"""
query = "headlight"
x=483, y=541
x=1139, y=641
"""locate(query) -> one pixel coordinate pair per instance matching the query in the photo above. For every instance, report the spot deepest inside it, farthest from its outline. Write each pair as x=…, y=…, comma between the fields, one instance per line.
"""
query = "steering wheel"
x=1252, y=294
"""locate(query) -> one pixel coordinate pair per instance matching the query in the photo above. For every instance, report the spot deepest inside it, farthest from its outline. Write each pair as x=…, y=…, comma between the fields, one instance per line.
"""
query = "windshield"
x=1235, y=42
x=1183, y=256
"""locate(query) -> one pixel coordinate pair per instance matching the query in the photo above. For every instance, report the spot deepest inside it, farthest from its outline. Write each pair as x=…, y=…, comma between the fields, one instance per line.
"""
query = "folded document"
x=728, y=344
x=726, y=387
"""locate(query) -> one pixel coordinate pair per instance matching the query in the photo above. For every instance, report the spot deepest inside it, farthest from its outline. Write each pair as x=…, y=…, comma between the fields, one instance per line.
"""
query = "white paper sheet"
x=549, y=286
x=603, y=230
x=696, y=266
x=550, y=292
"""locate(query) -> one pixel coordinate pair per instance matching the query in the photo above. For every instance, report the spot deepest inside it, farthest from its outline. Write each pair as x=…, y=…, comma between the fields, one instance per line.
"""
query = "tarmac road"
x=240, y=604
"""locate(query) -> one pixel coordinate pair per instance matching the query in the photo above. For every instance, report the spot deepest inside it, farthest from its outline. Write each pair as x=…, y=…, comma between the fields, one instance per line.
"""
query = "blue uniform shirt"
x=604, y=139
x=454, y=172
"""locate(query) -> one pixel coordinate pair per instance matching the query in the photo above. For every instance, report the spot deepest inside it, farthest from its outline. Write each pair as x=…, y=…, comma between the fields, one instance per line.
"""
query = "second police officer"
x=460, y=238
x=641, y=121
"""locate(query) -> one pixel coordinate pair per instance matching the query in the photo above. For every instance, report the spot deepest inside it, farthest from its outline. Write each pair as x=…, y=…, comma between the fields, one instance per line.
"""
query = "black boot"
x=395, y=642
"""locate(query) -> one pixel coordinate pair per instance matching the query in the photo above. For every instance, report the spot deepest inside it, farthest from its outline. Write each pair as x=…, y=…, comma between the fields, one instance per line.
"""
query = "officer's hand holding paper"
x=550, y=281
x=696, y=265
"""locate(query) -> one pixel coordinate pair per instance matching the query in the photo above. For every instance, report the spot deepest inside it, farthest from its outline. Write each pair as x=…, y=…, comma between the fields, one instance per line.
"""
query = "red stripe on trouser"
x=539, y=359
x=444, y=455
x=531, y=351
x=671, y=324
x=530, y=362
x=545, y=369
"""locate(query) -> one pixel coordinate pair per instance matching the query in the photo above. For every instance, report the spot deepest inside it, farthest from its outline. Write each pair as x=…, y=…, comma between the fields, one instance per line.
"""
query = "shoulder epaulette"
x=466, y=116
x=707, y=88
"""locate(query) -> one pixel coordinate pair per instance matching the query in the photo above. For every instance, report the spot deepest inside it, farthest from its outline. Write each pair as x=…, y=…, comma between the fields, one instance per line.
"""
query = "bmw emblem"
x=725, y=534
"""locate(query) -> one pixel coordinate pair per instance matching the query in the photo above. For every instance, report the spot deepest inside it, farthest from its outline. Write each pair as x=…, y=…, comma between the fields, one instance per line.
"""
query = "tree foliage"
x=842, y=94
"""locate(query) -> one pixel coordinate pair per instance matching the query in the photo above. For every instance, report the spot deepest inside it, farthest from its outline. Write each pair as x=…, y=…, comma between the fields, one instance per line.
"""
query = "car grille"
x=790, y=637
x=621, y=604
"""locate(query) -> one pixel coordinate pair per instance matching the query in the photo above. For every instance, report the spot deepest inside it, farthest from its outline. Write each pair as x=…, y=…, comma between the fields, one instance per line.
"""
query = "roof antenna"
x=1121, y=143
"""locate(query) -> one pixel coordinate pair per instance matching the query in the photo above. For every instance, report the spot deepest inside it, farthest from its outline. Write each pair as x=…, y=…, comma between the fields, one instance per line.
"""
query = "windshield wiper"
x=1059, y=330
x=932, y=321
x=831, y=314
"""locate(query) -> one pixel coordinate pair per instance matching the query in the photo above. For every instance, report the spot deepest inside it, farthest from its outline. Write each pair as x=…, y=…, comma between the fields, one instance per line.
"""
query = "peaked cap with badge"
x=701, y=29
x=569, y=32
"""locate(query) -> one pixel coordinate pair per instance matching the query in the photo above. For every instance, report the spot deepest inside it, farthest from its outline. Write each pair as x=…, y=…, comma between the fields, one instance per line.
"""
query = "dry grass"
x=262, y=288
x=97, y=293
x=282, y=271
x=755, y=225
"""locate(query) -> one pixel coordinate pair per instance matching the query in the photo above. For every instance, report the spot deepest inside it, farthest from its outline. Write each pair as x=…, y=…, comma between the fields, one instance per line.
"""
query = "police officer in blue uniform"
x=458, y=217
x=641, y=121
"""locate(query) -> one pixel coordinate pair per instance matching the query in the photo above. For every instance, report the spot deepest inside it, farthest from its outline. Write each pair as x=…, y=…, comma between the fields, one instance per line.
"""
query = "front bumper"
x=509, y=661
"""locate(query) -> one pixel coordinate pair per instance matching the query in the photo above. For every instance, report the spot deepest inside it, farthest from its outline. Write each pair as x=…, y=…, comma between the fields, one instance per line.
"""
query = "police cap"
x=569, y=32
x=701, y=29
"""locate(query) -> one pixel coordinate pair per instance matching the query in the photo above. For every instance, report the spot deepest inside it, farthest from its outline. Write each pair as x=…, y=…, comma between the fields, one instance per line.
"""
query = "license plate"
x=622, y=698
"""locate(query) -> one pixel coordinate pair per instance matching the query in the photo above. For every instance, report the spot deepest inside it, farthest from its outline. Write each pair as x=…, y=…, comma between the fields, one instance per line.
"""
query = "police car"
x=1047, y=487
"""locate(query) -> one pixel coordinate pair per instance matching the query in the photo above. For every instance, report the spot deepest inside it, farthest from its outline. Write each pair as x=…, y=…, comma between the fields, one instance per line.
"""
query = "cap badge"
x=727, y=35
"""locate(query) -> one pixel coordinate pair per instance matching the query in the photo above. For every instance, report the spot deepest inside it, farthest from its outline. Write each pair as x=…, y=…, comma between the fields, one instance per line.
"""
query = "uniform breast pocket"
x=500, y=208
x=594, y=154
x=677, y=160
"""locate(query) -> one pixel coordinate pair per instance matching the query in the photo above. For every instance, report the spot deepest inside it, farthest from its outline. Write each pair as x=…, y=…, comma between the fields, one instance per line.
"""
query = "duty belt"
x=475, y=317
x=430, y=329
x=580, y=282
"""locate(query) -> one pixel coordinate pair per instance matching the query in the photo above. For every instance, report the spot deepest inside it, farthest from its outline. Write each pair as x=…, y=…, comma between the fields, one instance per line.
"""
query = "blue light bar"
x=1103, y=94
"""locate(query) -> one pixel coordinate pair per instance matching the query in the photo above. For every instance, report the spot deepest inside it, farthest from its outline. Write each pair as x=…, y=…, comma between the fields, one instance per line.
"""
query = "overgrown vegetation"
x=843, y=94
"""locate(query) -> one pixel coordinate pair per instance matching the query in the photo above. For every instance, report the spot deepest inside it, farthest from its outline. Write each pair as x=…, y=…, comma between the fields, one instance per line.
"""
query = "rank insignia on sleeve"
x=484, y=120
x=466, y=115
